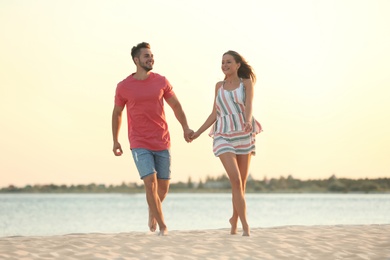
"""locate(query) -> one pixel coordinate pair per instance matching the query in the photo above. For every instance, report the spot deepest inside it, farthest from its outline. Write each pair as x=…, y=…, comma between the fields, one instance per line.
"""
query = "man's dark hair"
x=136, y=50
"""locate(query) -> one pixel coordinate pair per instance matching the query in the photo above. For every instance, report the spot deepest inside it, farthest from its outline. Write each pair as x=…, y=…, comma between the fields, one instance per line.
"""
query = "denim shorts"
x=149, y=162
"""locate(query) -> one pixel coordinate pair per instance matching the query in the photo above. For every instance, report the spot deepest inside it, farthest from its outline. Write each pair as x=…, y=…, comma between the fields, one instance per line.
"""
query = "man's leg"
x=162, y=191
x=163, y=188
x=154, y=202
x=162, y=163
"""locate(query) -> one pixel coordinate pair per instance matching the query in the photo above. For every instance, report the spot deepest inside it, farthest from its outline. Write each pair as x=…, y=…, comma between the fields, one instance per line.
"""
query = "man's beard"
x=146, y=68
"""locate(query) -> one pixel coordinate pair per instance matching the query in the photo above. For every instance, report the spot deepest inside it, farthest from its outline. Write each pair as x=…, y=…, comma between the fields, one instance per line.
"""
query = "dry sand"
x=290, y=242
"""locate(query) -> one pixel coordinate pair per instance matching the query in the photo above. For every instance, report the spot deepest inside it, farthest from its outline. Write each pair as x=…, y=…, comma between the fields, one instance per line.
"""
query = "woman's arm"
x=248, y=84
x=211, y=118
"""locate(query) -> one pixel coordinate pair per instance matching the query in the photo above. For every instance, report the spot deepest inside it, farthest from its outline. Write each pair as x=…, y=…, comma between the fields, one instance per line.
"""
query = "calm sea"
x=58, y=214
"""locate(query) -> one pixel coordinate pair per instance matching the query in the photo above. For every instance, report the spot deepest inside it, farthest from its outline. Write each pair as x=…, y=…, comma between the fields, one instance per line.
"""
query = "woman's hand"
x=195, y=135
x=248, y=127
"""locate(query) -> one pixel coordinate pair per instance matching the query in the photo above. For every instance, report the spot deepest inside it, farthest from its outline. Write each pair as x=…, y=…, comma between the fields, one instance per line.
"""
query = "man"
x=143, y=93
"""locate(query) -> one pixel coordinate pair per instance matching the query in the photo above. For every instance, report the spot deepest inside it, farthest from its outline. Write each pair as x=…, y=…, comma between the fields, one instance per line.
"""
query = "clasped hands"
x=190, y=135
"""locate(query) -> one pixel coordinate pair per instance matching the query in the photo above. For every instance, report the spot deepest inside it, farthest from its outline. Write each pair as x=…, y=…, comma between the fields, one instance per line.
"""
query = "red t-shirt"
x=147, y=126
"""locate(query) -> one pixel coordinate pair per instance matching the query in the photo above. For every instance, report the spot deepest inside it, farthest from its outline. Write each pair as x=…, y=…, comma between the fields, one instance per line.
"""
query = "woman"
x=234, y=129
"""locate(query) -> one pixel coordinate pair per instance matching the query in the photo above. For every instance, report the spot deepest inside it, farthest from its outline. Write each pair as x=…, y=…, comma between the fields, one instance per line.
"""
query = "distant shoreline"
x=193, y=191
x=222, y=185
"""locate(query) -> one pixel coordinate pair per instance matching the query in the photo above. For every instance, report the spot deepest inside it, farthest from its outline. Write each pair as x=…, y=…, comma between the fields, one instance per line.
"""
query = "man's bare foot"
x=152, y=223
x=163, y=232
x=233, y=229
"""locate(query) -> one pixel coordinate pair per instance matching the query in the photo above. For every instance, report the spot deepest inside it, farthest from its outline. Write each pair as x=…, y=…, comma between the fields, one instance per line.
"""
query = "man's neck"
x=141, y=75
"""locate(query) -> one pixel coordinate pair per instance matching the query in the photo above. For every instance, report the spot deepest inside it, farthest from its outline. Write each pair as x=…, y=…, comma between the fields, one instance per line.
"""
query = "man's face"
x=146, y=60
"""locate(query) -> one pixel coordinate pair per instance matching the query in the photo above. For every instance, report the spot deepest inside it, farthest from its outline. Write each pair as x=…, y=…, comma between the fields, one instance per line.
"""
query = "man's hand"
x=187, y=135
x=117, y=149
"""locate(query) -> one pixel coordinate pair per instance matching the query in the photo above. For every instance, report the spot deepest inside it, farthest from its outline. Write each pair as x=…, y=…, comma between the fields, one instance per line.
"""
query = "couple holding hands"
x=233, y=129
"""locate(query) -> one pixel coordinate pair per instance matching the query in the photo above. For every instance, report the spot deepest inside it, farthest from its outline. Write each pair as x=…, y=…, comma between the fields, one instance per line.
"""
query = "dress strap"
x=243, y=90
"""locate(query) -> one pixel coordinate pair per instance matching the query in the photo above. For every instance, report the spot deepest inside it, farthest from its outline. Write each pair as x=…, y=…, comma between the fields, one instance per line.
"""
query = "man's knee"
x=163, y=187
x=150, y=183
x=163, y=190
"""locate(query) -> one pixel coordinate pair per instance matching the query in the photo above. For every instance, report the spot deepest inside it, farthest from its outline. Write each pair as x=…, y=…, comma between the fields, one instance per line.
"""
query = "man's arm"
x=174, y=103
x=116, y=125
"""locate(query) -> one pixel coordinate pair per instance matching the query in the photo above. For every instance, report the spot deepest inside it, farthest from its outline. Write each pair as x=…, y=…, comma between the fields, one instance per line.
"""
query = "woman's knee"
x=236, y=183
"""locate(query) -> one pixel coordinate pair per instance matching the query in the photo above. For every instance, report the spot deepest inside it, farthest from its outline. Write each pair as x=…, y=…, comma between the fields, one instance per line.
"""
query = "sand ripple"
x=366, y=242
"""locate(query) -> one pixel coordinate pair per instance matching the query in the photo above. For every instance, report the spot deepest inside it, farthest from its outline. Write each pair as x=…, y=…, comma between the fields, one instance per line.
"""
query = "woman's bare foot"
x=152, y=223
x=246, y=232
x=233, y=223
x=163, y=232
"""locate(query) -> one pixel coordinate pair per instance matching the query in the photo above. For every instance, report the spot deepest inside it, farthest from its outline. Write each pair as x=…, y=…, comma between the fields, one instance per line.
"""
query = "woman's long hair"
x=245, y=71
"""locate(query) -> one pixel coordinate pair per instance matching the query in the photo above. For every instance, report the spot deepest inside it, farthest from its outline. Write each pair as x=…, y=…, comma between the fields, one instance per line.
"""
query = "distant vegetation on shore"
x=222, y=184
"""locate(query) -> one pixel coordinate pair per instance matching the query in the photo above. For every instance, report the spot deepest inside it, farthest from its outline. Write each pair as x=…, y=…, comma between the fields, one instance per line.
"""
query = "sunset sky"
x=322, y=95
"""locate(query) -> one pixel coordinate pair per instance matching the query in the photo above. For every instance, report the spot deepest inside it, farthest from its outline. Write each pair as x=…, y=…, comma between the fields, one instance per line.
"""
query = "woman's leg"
x=243, y=162
x=230, y=164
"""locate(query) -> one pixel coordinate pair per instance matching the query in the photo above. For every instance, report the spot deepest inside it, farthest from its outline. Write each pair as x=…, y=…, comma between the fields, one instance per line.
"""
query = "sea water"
x=58, y=214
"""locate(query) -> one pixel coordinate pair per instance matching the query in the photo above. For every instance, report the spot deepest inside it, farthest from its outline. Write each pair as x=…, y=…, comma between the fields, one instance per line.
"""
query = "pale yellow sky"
x=322, y=93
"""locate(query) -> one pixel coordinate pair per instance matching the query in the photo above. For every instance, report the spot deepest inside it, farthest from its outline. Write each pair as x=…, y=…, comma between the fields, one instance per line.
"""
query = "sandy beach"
x=290, y=242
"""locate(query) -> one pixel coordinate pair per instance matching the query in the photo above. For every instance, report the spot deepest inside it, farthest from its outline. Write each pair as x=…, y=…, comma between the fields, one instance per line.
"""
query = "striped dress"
x=228, y=130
